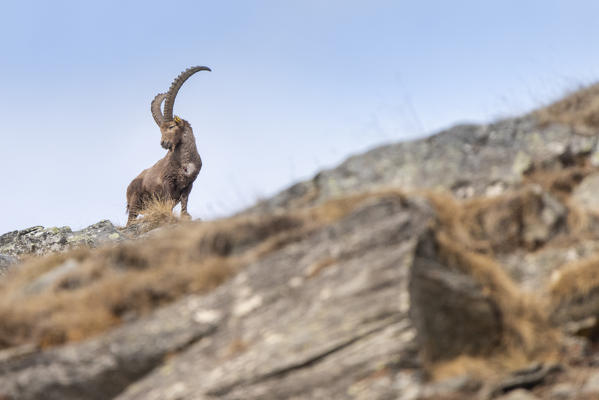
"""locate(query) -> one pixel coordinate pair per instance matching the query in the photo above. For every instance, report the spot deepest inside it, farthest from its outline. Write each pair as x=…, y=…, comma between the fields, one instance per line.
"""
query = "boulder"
x=323, y=317
x=586, y=195
x=38, y=240
x=6, y=262
x=452, y=312
x=464, y=304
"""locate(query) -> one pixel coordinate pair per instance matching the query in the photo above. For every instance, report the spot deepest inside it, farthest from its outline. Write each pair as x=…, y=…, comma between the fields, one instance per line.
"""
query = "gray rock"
x=39, y=240
x=545, y=221
x=586, y=194
x=343, y=311
x=101, y=368
x=526, y=378
x=465, y=159
x=532, y=269
x=461, y=386
x=330, y=335
x=563, y=391
x=277, y=330
x=452, y=313
x=518, y=394
x=6, y=262
x=591, y=386
x=51, y=277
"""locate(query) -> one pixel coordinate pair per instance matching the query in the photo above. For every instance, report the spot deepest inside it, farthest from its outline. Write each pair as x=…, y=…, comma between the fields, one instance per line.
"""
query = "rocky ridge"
x=420, y=270
x=38, y=240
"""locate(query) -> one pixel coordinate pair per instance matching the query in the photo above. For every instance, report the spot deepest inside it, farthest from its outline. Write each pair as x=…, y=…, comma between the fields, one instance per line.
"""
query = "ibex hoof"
x=186, y=216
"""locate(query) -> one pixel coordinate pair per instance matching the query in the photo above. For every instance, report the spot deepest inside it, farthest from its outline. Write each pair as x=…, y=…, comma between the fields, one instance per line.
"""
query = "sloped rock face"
x=364, y=307
x=39, y=240
x=322, y=318
x=101, y=368
x=453, y=313
x=586, y=194
x=466, y=159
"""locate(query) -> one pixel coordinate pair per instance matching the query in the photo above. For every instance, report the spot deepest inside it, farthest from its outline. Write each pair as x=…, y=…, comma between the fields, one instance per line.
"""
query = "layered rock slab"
x=323, y=318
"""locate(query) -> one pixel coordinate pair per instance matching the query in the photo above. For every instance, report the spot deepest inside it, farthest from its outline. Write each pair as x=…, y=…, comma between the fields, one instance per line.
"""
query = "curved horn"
x=174, y=89
x=155, y=108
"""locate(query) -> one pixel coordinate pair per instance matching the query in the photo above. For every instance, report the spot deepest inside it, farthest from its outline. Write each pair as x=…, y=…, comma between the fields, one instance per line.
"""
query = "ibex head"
x=171, y=128
x=172, y=133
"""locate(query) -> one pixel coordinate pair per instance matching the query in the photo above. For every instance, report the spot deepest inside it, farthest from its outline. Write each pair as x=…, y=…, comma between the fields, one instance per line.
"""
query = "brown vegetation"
x=498, y=224
x=574, y=293
x=526, y=332
x=471, y=317
x=125, y=281
x=156, y=212
x=578, y=109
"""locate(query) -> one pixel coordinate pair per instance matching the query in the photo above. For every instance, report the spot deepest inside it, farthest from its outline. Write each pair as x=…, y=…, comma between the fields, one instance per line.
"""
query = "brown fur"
x=132, y=278
x=171, y=177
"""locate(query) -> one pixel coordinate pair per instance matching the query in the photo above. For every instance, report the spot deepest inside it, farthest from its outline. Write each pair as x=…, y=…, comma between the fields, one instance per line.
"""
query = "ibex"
x=171, y=177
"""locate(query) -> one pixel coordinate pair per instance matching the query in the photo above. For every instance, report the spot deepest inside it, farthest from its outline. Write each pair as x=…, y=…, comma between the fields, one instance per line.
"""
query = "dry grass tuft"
x=499, y=224
x=156, y=212
x=578, y=278
x=578, y=109
x=525, y=322
x=559, y=182
x=337, y=208
x=574, y=291
x=316, y=268
x=527, y=334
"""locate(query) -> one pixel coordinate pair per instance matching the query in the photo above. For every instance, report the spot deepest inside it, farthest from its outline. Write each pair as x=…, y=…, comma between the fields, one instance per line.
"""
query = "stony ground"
x=458, y=266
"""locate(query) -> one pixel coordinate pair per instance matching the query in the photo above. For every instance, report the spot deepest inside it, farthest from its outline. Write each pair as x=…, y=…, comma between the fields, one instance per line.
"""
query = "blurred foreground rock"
x=325, y=317
x=399, y=298
x=5, y=262
x=454, y=314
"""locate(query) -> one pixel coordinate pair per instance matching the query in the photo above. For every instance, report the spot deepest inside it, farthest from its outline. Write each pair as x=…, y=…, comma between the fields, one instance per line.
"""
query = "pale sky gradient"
x=296, y=86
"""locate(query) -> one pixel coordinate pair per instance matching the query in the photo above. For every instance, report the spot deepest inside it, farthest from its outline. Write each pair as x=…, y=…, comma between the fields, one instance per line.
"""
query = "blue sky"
x=296, y=86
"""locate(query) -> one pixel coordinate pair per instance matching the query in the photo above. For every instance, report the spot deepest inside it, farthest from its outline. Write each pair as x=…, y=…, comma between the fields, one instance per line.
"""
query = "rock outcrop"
x=469, y=160
x=39, y=240
x=279, y=329
x=6, y=262
x=460, y=266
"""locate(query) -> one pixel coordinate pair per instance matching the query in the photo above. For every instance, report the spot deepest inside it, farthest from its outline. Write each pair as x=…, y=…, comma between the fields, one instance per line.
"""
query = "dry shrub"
x=574, y=291
x=156, y=212
x=526, y=335
x=127, y=280
x=578, y=278
x=559, y=182
x=113, y=283
x=498, y=224
x=578, y=109
x=336, y=208
x=101, y=296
